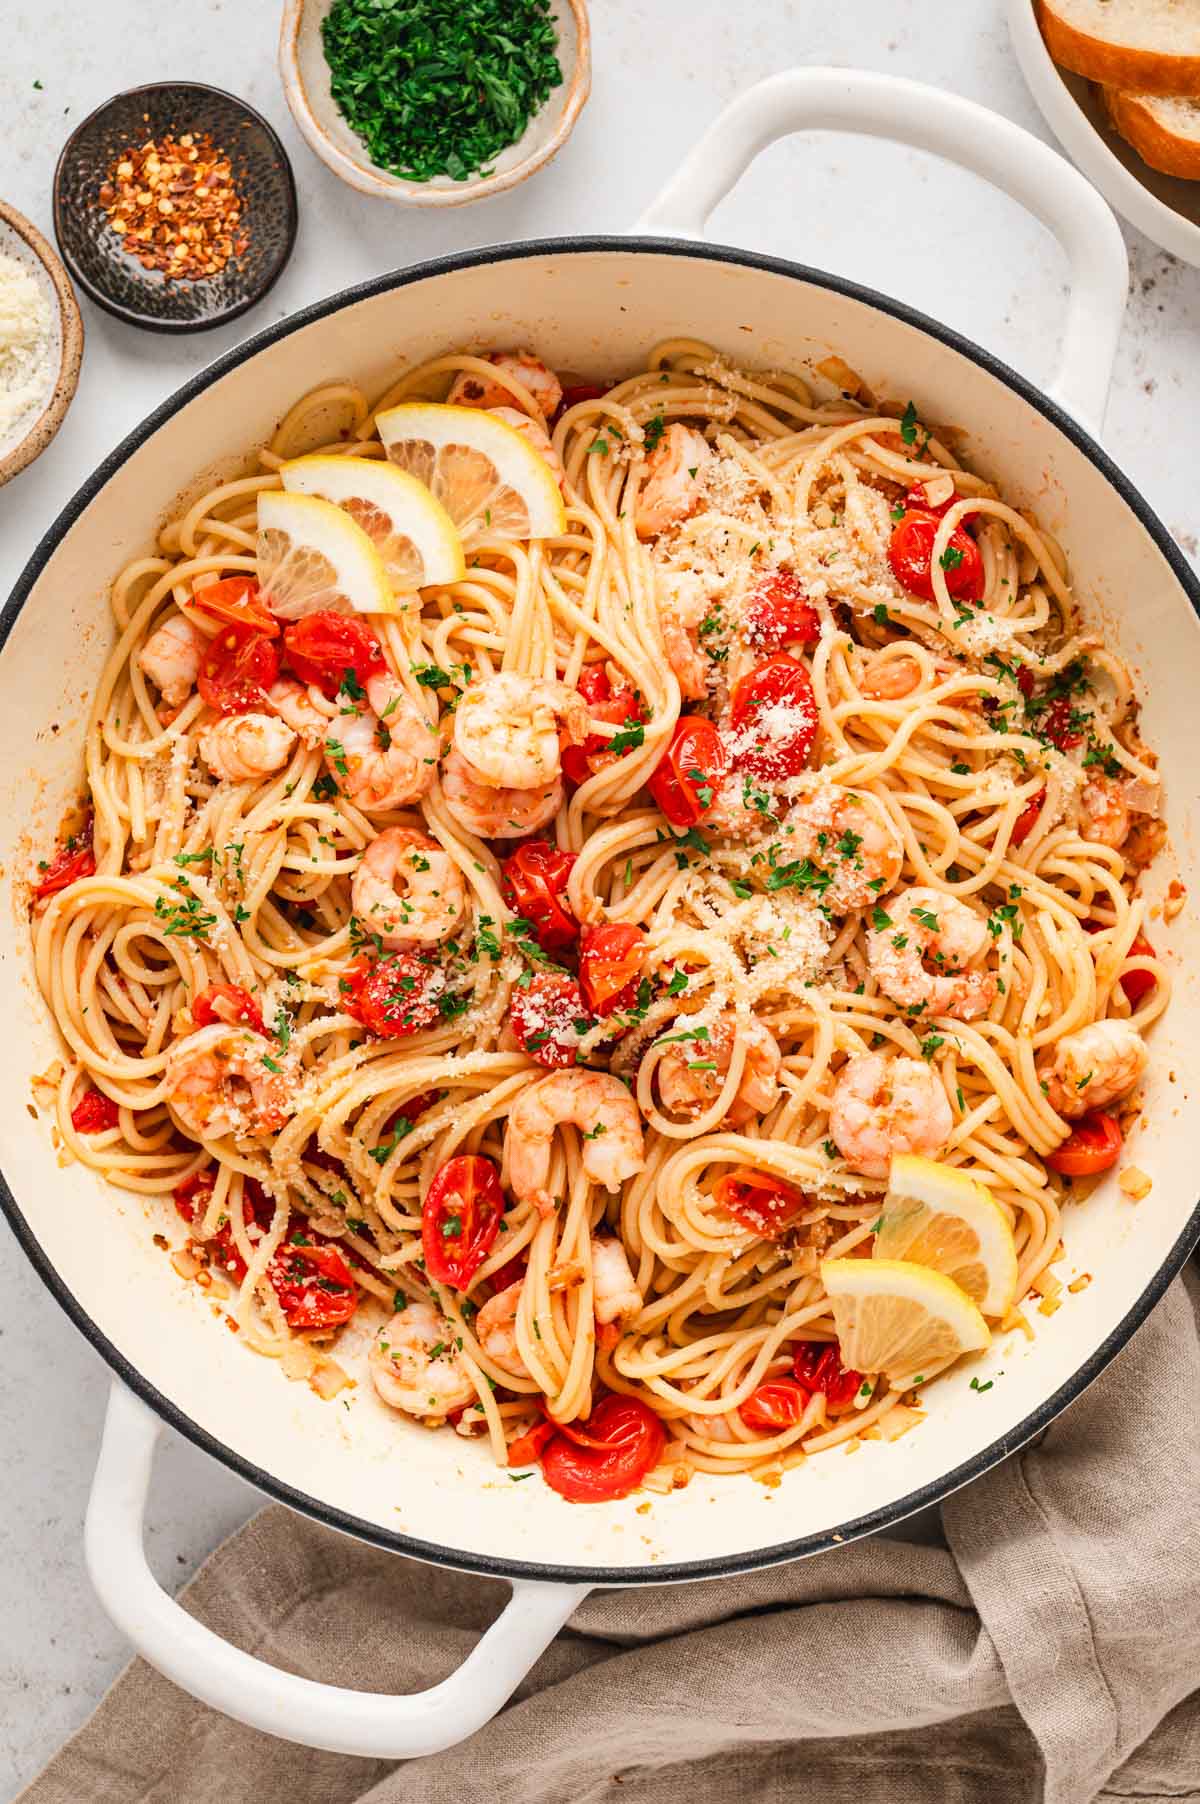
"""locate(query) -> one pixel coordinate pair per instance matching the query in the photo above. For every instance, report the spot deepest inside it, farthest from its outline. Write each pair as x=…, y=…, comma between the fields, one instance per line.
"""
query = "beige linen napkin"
x=1051, y=1652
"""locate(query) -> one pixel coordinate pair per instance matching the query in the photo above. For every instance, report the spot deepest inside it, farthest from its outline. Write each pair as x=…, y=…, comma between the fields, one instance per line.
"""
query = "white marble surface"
x=662, y=68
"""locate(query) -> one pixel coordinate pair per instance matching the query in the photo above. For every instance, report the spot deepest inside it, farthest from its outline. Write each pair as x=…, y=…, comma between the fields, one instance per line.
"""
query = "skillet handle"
x=908, y=112
x=373, y=1725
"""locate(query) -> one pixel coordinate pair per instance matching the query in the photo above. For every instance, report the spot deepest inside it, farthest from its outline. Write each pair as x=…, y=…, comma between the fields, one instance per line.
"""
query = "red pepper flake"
x=175, y=206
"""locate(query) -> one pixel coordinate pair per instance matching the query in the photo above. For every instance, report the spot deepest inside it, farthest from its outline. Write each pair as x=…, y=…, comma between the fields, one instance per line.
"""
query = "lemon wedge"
x=489, y=479
x=311, y=555
x=937, y=1216
x=899, y=1318
x=413, y=533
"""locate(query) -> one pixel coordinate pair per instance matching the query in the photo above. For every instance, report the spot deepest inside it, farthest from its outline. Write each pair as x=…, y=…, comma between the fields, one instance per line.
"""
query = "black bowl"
x=92, y=251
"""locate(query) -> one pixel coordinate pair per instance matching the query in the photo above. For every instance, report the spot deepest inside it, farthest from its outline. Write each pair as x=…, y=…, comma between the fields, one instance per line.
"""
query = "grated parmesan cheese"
x=27, y=346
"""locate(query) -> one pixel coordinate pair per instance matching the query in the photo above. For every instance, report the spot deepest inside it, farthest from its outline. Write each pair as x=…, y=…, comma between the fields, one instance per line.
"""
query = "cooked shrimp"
x=1093, y=1067
x=615, y=1295
x=673, y=480
x=496, y=1329
x=294, y=704
x=687, y=1091
x=408, y=890
x=219, y=1081
x=496, y=813
x=416, y=1367
x=851, y=837
x=240, y=748
x=537, y=436
x=682, y=606
x=1104, y=812
x=470, y=390
x=884, y=1104
x=921, y=958
x=171, y=658
x=506, y=727
x=599, y=1106
x=385, y=755
x=890, y=678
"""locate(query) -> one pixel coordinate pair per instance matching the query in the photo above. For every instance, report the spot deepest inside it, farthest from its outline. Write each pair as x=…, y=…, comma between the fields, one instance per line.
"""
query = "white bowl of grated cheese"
x=41, y=343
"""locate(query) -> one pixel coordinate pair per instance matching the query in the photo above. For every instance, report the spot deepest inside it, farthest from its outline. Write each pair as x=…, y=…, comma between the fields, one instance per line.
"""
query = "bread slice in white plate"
x=1141, y=46
x=1164, y=129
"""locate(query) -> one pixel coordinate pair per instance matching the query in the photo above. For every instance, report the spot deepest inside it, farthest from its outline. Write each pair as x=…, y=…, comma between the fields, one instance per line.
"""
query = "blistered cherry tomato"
x=610, y=963
x=1058, y=726
x=528, y=1446
x=1094, y=1146
x=619, y=705
x=94, y=1113
x=777, y=1403
x=1137, y=984
x=549, y=1019
x=779, y=613
x=237, y=670
x=1027, y=819
x=910, y=553
x=73, y=859
x=575, y=393
x=609, y=1456
x=237, y=602
x=773, y=713
x=227, y=1002
x=690, y=771
x=818, y=1367
x=192, y=1198
x=758, y=1201
x=460, y=1219
x=390, y=995
x=917, y=499
x=323, y=646
x=313, y=1281
x=535, y=886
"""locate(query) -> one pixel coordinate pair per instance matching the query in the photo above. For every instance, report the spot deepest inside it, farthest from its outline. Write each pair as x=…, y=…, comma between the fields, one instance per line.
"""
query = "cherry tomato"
x=779, y=613
x=818, y=1367
x=624, y=1440
x=549, y=1019
x=1027, y=819
x=322, y=647
x=910, y=553
x=460, y=1219
x=777, y=1403
x=1137, y=984
x=389, y=995
x=528, y=1446
x=758, y=1201
x=1056, y=724
x=236, y=601
x=535, y=883
x=73, y=859
x=610, y=963
x=313, y=1281
x=237, y=670
x=226, y=1002
x=192, y=1199
x=619, y=705
x=689, y=773
x=577, y=392
x=1025, y=681
x=94, y=1113
x=776, y=708
x=1094, y=1146
x=917, y=499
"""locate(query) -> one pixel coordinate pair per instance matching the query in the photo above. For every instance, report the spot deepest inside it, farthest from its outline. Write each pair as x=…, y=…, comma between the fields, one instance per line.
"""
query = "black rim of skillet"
x=247, y=299
x=719, y=1566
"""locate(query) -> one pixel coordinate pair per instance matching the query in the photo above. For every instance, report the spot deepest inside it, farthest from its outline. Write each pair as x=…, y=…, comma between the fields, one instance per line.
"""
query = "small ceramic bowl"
x=1164, y=207
x=93, y=252
x=32, y=432
x=306, y=85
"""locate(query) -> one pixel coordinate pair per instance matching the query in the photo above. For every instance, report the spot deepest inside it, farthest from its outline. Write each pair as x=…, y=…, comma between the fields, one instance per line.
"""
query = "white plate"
x=1164, y=207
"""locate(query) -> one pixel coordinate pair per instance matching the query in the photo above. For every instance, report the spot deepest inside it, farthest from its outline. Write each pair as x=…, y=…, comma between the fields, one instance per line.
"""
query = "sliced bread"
x=1143, y=46
x=1163, y=129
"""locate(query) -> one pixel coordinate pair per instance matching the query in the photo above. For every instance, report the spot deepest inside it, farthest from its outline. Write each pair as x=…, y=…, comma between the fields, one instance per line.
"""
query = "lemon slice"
x=936, y=1215
x=413, y=533
x=311, y=555
x=489, y=479
x=899, y=1318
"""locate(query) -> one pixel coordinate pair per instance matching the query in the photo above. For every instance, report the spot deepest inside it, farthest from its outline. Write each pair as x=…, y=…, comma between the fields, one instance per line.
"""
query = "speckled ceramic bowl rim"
x=53, y=414
x=253, y=295
x=368, y=179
